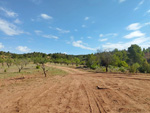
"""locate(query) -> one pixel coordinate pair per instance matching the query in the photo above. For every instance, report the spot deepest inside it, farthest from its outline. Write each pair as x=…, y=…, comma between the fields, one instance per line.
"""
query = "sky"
x=73, y=26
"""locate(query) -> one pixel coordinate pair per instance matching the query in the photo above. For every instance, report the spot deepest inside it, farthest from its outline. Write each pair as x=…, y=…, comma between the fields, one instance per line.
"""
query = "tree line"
x=134, y=59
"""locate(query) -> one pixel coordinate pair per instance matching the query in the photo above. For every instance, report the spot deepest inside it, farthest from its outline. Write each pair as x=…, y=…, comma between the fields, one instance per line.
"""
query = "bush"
x=134, y=68
x=37, y=67
x=123, y=64
x=122, y=69
x=94, y=66
x=145, y=68
x=5, y=70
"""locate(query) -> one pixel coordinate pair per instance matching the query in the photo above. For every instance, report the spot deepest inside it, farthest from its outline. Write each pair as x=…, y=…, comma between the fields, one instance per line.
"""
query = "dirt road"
x=78, y=93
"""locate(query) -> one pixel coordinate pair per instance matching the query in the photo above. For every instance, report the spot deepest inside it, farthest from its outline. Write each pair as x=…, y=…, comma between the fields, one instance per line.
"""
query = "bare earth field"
x=77, y=92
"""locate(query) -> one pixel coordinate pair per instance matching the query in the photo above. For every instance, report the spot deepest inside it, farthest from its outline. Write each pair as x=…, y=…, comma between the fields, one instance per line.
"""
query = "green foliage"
x=145, y=67
x=134, y=68
x=38, y=67
x=122, y=69
x=123, y=64
x=135, y=54
x=106, y=59
x=5, y=70
x=92, y=61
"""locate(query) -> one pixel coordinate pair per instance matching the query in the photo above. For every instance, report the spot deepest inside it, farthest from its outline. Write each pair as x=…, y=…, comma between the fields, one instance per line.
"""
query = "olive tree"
x=42, y=61
x=20, y=64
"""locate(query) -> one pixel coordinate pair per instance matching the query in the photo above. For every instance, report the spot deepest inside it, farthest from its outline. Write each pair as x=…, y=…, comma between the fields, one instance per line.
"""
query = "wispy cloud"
x=139, y=4
x=1, y=46
x=8, y=13
x=83, y=26
x=80, y=44
x=120, y=45
x=86, y=18
x=45, y=16
x=89, y=37
x=134, y=35
x=50, y=36
x=102, y=40
x=108, y=35
x=17, y=21
x=62, y=31
x=134, y=26
x=147, y=12
x=121, y=1
x=9, y=28
x=38, y=32
x=137, y=26
x=24, y=49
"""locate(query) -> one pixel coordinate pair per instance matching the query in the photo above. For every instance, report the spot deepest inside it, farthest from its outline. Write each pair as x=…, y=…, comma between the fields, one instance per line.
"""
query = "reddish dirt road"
x=78, y=93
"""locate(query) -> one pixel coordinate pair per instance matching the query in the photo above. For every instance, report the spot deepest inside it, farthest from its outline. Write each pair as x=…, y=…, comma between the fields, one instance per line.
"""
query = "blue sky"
x=73, y=26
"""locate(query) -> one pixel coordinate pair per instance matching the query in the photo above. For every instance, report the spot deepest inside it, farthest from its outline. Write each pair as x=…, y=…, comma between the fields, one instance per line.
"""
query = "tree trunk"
x=19, y=70
x=106, y=68
x=43, y=67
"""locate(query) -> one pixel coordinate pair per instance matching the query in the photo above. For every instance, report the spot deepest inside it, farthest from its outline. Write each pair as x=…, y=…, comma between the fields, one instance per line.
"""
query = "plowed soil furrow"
x=79, y=92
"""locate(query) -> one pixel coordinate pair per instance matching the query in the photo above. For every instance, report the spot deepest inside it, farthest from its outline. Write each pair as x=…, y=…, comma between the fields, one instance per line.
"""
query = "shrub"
x=38, y=67
x=5, y=70
x=122, y=69
x=134, y=68
x=123, y=64
x=94, y=66
x=145, y=68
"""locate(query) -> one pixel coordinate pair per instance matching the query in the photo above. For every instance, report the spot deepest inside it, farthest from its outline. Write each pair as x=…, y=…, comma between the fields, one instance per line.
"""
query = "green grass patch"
x=30, y=69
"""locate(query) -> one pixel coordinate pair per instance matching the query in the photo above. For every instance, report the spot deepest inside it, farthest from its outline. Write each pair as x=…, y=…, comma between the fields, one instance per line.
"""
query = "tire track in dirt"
x=77, y=92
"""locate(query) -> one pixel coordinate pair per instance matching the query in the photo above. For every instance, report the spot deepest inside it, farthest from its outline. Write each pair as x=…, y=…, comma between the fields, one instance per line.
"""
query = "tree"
x=77, y=61
x=92, y=61
x=2, y=61
x=9, y=62
x=20, y=64
x=135, y=54
x=42, y=62
x=106, y=59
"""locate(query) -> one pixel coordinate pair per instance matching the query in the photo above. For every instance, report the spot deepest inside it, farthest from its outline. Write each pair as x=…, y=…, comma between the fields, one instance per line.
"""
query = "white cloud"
x=45, y=16
x=83, y=26
x=148, y=11
x=24, y=49
x=134, y=34
x=38, y=32
x=101, y=35
x=80, y=44
x=9, y=13
x=89, y=37
x=50, y=36
x=120, y=1
x=102, y=40
x=17, y=21
x=108, y=35
x=86, y=18
x=139, y=41
x=134, y=26
x=1, y=46
x=9, y=29
x=138, y=6
x=62, y=31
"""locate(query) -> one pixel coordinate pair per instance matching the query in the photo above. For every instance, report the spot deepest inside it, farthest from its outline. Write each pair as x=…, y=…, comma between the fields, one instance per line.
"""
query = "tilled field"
x=79, y=92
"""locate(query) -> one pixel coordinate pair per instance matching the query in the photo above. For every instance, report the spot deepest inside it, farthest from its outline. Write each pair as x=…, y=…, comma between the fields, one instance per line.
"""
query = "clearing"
x=77, y=92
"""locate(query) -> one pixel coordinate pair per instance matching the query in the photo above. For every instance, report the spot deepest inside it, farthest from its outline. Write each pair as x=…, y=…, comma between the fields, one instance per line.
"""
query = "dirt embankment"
x=78, y=93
